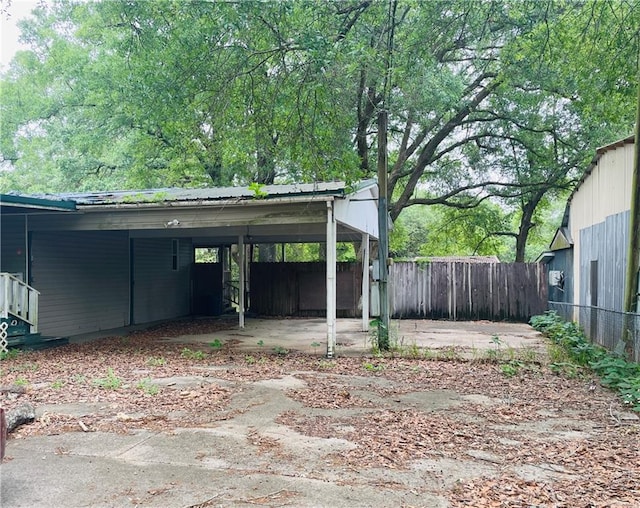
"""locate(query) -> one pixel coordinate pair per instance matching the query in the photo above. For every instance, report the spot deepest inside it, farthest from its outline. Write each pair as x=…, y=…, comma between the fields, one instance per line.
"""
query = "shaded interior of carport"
x=224, y=217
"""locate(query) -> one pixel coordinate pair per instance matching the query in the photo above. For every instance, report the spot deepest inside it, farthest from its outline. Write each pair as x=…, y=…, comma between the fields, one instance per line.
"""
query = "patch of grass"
x=109, y=382
x=249, y=359
x=511, y=368
x=21, y=381
x=279, y=350
x=78, y=379
x=147, y=386
x=57, y=384
x=326, y=364
x=447, y=354
x=260, y=343
x=216, y=344
x=372, y=367
x=24, y=367
x=191, y=354
x=10, y=354
x=156, y=361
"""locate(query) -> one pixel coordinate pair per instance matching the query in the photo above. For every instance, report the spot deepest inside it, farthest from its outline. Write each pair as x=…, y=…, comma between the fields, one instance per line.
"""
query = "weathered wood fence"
x=468, y=291
x=300, y=289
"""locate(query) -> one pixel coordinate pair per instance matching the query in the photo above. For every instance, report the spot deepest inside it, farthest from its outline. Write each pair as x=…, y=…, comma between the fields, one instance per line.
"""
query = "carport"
x=301, y=213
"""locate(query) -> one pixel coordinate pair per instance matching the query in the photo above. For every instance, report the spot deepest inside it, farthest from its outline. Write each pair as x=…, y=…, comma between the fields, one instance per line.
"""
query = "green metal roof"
x=20, y=203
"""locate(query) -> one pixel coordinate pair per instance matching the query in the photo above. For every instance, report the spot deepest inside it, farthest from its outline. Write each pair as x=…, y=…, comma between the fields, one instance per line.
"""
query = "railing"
x=613, y=330
x=231, y=293
x=18, y=299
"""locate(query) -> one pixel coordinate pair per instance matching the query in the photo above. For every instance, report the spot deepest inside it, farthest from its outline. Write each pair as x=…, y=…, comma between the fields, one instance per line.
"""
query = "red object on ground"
x=3, y=433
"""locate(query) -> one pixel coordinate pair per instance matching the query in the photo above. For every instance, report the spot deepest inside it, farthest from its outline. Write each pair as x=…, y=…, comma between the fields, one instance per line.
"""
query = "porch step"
x=16, y=326
x=35, y=341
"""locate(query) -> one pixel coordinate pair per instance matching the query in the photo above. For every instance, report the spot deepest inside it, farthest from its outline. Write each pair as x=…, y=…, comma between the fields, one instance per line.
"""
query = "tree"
x=487, y=101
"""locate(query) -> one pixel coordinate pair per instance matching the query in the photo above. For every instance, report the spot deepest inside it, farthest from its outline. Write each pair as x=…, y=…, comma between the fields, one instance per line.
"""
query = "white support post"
x=241, y=264
x=365, y=282
x=331, y=280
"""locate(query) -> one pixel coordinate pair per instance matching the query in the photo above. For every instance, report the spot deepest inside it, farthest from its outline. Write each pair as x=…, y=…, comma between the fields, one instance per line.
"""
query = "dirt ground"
x=458, y=414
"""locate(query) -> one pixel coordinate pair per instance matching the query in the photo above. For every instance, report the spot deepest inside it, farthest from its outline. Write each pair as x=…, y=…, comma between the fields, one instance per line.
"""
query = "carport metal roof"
x=319, y=212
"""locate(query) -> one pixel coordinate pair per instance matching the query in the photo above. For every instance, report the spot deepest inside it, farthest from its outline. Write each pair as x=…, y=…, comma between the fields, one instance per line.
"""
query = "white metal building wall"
x=83, y=279
x=605, y=192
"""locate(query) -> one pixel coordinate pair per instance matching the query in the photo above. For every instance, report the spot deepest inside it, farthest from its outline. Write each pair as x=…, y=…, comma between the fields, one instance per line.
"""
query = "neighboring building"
x=587, y=260
x=104, y=260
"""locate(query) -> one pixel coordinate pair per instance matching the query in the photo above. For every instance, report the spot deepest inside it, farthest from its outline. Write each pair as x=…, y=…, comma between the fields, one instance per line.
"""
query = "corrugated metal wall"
x=159, y=291
x=13, y=246
x=459, y=290
x=83, y=279
x=606, y=243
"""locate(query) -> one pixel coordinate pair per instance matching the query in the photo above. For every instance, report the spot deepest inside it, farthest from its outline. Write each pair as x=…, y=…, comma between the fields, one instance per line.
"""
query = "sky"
x=10, y=12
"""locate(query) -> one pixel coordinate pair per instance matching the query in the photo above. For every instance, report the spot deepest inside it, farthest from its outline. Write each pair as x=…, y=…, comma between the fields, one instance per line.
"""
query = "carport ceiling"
x=216, y=216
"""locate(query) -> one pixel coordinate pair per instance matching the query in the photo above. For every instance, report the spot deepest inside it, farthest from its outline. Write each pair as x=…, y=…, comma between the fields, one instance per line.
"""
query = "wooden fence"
x=300, y=289
x=468, y=291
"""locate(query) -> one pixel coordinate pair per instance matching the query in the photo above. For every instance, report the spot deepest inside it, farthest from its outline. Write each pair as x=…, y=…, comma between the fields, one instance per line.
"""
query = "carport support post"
x=365, y=282
x=331, y=280
x=241, y=281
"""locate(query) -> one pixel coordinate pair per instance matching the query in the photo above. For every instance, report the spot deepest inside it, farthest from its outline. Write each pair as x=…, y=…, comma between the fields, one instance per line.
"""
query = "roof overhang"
x=11, y=203
x=278, y=214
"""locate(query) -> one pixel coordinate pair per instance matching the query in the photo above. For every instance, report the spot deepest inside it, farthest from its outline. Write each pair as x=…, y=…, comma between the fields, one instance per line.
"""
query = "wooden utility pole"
x=383, y=233
x=633, y=253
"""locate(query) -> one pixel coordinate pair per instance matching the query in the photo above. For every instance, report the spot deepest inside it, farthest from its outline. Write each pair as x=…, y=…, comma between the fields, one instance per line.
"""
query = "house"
x=587, y=259
x=84, y=262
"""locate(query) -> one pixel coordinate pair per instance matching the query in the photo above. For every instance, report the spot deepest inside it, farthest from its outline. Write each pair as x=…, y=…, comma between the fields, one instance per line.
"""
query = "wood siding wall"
x=13, y=246
x=159, y=291
x=606, y=243
x=300, y=289
x=461, y=291
x=83, y=279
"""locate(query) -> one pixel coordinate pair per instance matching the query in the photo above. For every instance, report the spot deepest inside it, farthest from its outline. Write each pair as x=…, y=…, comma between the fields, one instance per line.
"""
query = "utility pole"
x=633, y=253
x=383, y=232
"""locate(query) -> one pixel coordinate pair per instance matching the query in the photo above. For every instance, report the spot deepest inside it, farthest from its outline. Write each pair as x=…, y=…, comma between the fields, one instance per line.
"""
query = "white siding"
x=159, y=291
x=83, y=279
x=604, y=193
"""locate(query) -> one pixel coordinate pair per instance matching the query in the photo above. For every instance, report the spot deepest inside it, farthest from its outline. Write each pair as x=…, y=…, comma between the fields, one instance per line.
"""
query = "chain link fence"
x=607, y=328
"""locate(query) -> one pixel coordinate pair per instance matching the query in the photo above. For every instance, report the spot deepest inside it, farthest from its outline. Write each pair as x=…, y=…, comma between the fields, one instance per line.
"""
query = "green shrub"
x=614, y=372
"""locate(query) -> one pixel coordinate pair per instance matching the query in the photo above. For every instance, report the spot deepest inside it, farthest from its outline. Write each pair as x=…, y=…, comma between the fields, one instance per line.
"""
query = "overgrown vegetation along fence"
x=606, y=328
x=463, y=290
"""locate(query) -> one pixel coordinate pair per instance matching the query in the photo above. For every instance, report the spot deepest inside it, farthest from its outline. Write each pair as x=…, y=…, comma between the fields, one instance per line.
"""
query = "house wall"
x=159, y=291
x=13, y=246
x=83, y=279
x=605, y=193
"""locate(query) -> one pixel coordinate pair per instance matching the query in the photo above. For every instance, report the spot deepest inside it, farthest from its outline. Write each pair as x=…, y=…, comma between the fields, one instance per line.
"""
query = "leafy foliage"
x=493, y=107
x=615, y=372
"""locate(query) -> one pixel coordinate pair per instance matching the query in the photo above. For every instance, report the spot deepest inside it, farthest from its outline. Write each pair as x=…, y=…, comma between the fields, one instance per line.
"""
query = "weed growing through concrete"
x=147, y=386
x=109, y=382
x=190, y=354
x=279, y=350
x=216, y=344
x=156, y=361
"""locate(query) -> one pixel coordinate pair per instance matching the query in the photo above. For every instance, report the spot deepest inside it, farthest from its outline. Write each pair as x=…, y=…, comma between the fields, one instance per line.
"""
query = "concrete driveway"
x=257, y=451
x=309, y=335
